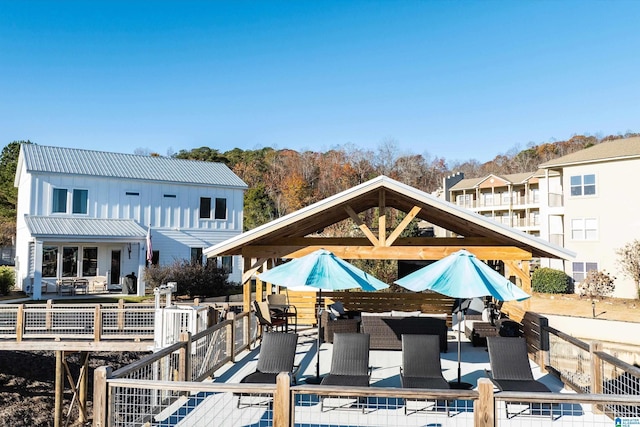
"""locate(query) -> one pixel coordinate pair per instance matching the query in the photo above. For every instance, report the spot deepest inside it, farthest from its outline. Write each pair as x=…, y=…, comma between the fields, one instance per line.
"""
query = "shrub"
x=596, y=284
x=195, y=280
x=550, y=281
x=7, y=280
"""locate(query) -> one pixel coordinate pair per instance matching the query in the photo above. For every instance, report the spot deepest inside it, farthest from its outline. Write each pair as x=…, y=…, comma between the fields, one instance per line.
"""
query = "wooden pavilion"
x=298, y=233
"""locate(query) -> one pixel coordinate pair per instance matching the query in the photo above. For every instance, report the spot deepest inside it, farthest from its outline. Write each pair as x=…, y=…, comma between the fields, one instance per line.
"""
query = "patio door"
x=115, y=267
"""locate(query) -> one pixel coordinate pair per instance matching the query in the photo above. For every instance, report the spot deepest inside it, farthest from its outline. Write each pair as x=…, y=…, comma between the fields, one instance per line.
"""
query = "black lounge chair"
x=510, y=368
x=277, y=354
x=421, y=366
x=349, y=362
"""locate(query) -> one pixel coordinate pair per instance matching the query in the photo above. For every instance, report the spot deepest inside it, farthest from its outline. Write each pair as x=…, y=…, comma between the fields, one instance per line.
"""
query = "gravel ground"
x=27, y=385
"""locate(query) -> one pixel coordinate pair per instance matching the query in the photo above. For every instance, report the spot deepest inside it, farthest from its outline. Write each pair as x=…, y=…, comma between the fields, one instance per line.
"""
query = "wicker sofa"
x=386, y=329
x=329, y=326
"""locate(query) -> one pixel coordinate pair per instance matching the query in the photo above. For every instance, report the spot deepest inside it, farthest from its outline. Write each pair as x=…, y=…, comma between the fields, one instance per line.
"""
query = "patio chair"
x=279, y=307
x=277, y=354
x=349, y=362
x=421, y=366
x=511, y=370
x=268, y=323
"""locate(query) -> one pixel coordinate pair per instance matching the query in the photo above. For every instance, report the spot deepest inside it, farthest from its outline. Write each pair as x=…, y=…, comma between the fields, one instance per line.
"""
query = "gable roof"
x=84, y=228
x=73, y=161
x=513, y=178
x=439, y=212
x=618, y=149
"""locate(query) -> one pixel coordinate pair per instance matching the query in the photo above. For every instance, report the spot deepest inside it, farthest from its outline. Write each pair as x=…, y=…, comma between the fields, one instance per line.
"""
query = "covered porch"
x=75, y=256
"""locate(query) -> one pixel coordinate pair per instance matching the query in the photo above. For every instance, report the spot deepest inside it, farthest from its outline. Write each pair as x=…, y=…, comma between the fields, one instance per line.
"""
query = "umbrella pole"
x=317, y=379
x=459, y=358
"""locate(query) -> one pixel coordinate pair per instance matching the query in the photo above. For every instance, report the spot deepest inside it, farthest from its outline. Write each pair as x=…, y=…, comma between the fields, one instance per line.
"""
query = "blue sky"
x=455, y=79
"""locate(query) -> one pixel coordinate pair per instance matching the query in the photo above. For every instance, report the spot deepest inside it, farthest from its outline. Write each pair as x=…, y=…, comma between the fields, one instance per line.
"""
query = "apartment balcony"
x=556, y=200
x=556, y=239
x=517, y=203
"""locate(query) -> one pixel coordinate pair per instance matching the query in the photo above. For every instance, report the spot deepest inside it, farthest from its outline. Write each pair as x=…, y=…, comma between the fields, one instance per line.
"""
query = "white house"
x=84, y=214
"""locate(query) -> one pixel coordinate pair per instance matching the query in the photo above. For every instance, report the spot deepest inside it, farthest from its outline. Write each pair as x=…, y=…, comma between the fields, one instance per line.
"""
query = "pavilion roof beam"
x=367, y=232
x=246, y=276
x=403, y=225
x=388, y=252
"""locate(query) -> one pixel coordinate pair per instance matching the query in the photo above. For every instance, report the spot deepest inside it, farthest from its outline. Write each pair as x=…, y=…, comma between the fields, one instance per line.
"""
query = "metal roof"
x=73, y=161
x=74, y=227
x=436, y=211
x=618, y=149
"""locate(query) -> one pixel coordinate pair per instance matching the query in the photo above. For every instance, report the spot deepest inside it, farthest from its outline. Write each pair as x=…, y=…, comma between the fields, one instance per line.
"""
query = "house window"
x=196, y=255
x=221, y=208
x=584, y=229
x=583, y=185
x=79, y=201
x=59, y=200
x=580, y=270
x=132, y=193
x=488, y=199
x=205, y=207
x=169, y=196
x=89, y=261
x=49, y=261
x=227, y=264
x=69, y=261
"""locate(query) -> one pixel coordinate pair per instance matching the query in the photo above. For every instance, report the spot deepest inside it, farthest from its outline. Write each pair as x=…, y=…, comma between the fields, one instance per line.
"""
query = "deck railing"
x=155, y=403
x=165, y=389
x=191, y=360
x=77, y=321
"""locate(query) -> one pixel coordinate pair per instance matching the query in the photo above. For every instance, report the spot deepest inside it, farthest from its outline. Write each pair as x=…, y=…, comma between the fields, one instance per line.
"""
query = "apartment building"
x=588, y=205
x=581, y=201
x=512, y=200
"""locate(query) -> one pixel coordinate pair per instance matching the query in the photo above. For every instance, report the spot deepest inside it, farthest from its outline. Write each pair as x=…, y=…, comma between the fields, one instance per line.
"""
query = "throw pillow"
x=337, y=307
x=398, y=313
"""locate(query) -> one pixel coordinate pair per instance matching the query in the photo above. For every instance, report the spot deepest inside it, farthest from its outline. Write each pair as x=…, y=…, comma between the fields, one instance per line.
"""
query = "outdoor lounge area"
x=215, y=400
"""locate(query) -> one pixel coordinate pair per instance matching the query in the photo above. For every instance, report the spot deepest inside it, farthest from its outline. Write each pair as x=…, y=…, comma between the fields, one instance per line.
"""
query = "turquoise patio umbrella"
x=321, y=270
x=462, y=275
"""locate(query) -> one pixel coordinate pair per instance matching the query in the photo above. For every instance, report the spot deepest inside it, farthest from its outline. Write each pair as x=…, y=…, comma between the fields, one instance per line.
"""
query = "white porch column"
x=36, y=289
x=142, y=259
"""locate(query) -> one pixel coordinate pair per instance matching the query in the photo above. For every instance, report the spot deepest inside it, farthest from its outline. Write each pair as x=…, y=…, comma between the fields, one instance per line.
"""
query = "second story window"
x=79, y=201
x=584, y=229
x=59, y=200
x=221, y=209
x=205, y=207
x=583, y=185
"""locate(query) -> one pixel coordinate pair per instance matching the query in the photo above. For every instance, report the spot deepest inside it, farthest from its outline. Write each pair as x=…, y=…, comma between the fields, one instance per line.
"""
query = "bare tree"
x=629, y=261
x=386, y=157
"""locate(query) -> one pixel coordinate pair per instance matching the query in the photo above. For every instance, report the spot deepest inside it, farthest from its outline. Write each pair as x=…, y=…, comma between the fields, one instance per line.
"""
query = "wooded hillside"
x=282, y=181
